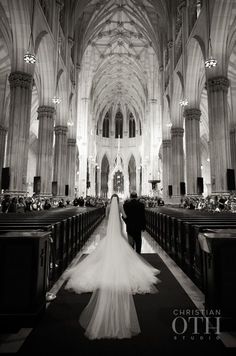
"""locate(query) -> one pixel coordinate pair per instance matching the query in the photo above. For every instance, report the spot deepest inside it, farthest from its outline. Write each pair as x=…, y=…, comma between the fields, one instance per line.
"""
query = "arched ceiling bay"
x=119, y=46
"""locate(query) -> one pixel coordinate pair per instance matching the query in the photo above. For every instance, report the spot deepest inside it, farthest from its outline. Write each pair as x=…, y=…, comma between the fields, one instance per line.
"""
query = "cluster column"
x=193, y=148
x=71, y=158
x=19, y=127
x=45, y=148
x=3, y=135
x=219, y=133
x=177, y=150
x=60, y=155
x=233, y=147
x=166, y=149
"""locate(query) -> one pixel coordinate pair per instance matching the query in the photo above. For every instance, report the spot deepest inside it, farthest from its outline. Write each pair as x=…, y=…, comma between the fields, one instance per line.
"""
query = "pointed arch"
x=105, y=168
x=132, y=174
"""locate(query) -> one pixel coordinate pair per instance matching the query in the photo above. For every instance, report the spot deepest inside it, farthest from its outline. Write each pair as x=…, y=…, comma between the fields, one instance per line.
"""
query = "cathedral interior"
x=113, y=96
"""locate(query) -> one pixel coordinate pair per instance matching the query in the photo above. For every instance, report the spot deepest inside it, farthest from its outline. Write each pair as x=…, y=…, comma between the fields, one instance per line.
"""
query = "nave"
x=60, y=332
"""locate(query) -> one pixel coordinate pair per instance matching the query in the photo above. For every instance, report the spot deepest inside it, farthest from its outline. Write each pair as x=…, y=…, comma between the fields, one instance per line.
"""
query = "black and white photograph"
x=117, y=177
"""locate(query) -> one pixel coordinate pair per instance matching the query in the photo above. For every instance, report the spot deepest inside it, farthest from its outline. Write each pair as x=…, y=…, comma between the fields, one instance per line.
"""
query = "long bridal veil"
x=113, y=272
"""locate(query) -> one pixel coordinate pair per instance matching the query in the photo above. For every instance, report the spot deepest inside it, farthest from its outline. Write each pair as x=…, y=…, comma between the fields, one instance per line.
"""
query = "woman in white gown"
x=113, y=272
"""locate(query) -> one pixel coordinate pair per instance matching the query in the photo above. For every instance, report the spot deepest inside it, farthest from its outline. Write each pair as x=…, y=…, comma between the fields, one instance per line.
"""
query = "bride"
x=113, y=272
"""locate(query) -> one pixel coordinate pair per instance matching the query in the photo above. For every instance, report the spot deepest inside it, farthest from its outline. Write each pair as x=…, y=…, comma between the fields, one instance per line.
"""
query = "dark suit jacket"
x=135, y=221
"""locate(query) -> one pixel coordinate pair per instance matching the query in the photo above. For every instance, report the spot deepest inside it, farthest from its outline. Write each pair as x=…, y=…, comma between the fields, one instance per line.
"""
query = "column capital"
x=177, y=131
x=166, y=143
x=60, y=130
x=20, y=79
x=220, y=83
x=192, y=114
x=71, y=142
x=45, y=111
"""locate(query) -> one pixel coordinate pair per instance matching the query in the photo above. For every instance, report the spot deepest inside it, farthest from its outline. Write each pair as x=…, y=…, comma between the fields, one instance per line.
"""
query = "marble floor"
x=12, y=343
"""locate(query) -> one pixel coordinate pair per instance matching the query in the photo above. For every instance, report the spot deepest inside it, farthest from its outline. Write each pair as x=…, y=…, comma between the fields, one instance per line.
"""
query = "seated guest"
x=76, y=202
x=12, y=207
x=61, y=203
x=160, y=202
x=81, y=201
x=6, y=203
x=47, y=205
x=221, y=203
x=20, y=206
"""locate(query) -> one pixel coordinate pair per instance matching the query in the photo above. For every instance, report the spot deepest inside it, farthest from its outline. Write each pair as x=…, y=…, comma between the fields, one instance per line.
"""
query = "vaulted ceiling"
x=120, y=51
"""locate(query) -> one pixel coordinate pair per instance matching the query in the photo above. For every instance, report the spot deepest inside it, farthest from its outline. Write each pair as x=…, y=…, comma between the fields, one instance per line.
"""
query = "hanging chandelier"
x=183, y=102
x=56, y=100
x=210, y=62
x=29, y=58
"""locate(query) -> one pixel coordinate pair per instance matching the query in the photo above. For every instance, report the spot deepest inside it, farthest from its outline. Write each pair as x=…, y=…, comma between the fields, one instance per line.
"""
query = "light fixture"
x=70, y=123
x=30, y=57
x=183, y=102
x=211, y=62
x=208, y=159
x=56, y=100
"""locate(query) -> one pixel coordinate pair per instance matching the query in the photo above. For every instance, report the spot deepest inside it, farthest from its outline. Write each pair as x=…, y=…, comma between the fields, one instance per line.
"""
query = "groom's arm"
x=124, y=212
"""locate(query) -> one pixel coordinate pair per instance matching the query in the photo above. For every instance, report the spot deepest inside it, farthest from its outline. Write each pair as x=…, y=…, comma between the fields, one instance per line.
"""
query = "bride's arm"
x=121, y=210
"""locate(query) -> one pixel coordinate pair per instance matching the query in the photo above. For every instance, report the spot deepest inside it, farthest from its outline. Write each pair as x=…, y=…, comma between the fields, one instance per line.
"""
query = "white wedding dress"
x=113, y=272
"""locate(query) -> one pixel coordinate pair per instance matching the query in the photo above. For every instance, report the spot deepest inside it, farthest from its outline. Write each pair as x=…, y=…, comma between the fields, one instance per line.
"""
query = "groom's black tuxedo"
x=135, y=221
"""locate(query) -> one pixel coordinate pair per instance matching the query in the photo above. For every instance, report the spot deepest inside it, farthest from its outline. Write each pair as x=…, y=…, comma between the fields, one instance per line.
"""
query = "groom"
x=135, y=221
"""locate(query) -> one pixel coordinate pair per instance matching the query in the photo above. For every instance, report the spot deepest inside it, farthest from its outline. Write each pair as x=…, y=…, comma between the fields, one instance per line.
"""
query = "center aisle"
x=59, y=330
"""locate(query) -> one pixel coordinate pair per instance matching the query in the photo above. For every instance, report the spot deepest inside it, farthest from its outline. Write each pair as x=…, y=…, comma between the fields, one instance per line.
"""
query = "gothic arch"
x=105, y=168
x=132, y=174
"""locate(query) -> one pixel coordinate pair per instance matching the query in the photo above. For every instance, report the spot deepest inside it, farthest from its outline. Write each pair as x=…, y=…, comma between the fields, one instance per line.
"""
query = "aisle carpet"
x=59, y=330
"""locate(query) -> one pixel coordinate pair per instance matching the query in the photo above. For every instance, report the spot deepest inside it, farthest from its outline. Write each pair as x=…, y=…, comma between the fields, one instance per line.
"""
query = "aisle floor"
x=13, y=343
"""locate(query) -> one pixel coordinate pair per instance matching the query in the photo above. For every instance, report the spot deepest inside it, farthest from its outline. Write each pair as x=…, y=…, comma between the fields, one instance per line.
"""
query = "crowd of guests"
x=20, y=204
x=211, y=203
x=151, y=202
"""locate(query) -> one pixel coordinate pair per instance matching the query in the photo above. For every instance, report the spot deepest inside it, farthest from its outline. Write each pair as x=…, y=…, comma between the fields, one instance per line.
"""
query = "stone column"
x=193, y=148
x=19, y=128
x=3, y=134
x=126, y=182
x=99, y=181
x=138, y=180
x=71, y=160
x=45, y=148
x=92, y=179
x=177, y=159
x=217, y=89
x=60, y=157
x=166, y=179
x=233, y=148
